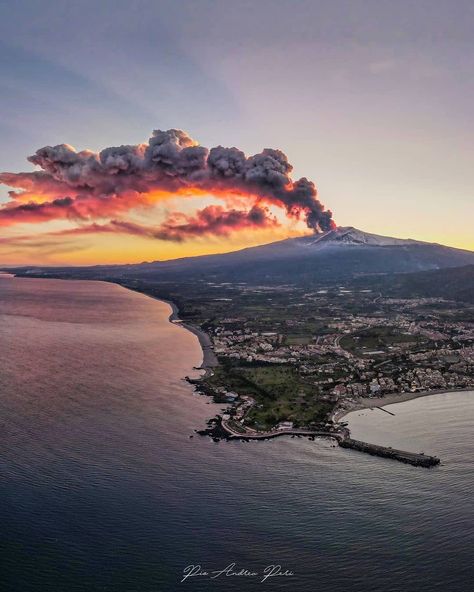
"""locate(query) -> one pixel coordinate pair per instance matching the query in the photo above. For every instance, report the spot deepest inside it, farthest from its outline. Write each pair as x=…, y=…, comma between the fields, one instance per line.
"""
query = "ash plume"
x=214, y=220
x=87, y=185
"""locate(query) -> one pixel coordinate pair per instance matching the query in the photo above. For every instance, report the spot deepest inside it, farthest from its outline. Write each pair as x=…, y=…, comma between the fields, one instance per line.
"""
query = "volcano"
x=340, y=254
x=348, y=235
x=343, y=252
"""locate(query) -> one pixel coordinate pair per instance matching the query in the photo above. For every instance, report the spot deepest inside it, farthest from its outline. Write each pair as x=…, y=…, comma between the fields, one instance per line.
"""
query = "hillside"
x=336, y=255
x=453, y=284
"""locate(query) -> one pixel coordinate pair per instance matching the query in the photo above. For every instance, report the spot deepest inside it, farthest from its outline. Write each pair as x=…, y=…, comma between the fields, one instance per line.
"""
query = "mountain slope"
x=454, y=283
x=339, y=253
x=350, y=236
x=343, y=253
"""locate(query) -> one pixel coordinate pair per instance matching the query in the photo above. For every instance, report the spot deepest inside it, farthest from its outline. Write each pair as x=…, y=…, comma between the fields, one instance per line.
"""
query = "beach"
x=390, y=399
x=210, y=361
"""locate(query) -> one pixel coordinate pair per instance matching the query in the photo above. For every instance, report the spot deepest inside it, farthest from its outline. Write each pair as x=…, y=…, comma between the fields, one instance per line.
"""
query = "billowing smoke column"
x=87, y=186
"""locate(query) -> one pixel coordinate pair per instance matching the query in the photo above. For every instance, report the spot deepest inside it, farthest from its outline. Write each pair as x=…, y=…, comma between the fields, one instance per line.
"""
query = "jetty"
x=411, y=458
x=220, y=429
x=385, y=410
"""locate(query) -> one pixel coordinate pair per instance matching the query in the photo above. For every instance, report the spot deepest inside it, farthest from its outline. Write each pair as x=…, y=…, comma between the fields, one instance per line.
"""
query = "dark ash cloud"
x=119, y=178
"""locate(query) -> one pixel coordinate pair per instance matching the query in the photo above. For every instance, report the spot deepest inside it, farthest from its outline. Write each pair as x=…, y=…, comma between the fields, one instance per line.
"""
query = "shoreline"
x=341, y=434
x=390, y=399
x=209, y=358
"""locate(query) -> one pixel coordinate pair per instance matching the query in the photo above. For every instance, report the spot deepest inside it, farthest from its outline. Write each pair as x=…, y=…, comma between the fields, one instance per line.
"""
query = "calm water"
x=101, y=487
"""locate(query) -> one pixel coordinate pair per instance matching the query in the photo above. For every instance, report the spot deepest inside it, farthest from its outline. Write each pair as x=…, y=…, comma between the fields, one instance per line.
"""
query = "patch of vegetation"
x=377, y=339
x=280, y=393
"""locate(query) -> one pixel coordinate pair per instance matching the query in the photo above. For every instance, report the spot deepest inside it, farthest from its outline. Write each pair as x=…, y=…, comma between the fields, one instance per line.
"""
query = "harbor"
x=220, y=429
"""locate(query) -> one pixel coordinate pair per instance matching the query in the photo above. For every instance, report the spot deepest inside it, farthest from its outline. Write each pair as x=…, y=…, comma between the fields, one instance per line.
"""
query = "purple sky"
x=373, y=100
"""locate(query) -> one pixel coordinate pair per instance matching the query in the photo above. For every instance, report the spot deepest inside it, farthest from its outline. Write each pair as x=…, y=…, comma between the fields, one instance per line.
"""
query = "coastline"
x=391, y=399
x=209, y=358
x=219, y=429
x=210, y=361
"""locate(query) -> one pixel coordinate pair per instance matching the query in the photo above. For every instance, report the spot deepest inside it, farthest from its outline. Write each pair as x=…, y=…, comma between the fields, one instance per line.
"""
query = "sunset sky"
x=372, y=101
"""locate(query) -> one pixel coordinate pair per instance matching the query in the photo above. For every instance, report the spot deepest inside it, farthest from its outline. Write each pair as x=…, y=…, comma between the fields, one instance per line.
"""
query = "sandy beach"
x=210, y=361
x=372, y=402
x=209, y=357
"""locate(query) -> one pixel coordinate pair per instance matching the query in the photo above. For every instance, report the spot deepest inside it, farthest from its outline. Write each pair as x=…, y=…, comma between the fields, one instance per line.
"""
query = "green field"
x=280, y=392
x=377, y=339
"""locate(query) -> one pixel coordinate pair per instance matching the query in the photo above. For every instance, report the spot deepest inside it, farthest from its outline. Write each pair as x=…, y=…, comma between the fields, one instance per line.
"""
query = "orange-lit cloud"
x=87, y=187
x=212, y=220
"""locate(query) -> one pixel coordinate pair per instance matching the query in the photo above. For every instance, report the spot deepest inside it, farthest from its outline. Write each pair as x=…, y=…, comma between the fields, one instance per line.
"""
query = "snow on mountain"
x=348, y=235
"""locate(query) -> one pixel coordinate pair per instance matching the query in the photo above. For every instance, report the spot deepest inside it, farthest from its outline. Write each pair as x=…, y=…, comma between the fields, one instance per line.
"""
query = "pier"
x=385, y=410
x=410, y=458
x=222, y=429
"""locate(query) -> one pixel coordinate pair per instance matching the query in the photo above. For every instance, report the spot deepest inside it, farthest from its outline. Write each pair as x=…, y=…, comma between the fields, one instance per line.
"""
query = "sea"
x=105, y=486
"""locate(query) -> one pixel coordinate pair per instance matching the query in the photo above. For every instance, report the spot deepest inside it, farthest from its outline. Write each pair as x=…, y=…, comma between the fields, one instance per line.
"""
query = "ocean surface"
x=102, y=488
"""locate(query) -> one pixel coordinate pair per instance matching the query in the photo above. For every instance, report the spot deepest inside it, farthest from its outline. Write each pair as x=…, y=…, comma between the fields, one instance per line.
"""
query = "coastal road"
x=275, y=433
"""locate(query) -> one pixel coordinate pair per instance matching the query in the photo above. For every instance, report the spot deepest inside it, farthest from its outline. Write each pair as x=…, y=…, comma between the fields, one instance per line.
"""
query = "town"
x=289, y=356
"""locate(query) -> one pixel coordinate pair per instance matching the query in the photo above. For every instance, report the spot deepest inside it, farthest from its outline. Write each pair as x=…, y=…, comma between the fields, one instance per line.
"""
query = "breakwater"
x=221, y=430
x=411, y=458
